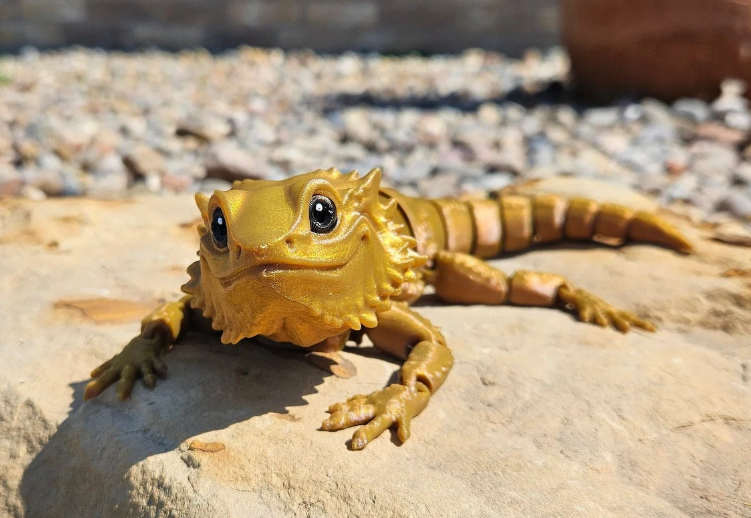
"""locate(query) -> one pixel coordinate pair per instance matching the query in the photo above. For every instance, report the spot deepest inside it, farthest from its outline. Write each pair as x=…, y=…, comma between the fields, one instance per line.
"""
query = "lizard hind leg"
x=463, y=279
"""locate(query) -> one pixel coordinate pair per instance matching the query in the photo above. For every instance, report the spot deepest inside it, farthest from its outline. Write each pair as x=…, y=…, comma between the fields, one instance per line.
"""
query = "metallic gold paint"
x=516, y=212
x=549, y=217
x=486, y=216
x=276, y=279
x=283, y=281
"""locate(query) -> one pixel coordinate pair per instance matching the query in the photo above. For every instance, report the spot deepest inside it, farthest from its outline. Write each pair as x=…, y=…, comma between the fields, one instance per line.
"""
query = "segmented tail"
x=512, y=222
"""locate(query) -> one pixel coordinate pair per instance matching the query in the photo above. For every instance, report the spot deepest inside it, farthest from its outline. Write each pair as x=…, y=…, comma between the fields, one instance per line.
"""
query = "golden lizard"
x=319, y=258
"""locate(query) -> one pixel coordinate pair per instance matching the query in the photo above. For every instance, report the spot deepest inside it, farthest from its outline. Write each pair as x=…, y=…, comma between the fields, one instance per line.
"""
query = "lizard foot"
x=393, y=405
x=139, y=357
x=594, y=310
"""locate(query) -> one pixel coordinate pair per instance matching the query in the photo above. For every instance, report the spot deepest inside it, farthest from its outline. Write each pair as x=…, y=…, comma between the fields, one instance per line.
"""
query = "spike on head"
x=364, y=196
x=373, y=178
x=203, y=205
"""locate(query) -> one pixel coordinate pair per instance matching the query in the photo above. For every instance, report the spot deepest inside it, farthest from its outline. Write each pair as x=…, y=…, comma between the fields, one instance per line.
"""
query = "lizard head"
x=299, y=260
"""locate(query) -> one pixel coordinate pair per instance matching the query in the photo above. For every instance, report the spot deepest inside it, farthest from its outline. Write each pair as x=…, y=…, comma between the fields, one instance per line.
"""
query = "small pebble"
x=693, y=109
x=602, y=117
x=743, y=174
x=738, y=203
x=32, y=193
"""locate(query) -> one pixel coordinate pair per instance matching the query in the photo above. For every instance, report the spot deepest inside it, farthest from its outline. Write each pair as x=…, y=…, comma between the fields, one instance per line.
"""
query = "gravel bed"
x=84, y=122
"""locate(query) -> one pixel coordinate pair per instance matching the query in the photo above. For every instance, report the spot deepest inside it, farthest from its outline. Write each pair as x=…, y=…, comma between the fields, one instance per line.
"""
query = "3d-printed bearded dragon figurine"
x=310, y=259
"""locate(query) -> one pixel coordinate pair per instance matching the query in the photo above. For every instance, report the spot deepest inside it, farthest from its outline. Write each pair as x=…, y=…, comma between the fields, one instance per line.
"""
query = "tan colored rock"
x=10, y=181
x=205, y=127
x=541, y=416
x=657, y=47
x=143, y=160
x=227, y=161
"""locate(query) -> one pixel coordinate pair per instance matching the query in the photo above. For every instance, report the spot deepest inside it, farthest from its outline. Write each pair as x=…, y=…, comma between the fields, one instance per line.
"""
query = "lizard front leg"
x=142, y=356
x=407, y=335
x=464, y=279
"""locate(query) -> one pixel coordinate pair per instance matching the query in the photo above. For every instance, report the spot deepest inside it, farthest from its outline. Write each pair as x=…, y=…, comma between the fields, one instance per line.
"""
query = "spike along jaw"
x=300, y=260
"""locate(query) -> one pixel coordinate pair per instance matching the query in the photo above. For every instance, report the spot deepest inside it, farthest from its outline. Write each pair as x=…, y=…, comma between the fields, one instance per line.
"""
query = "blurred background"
x=107, y=98
x=323, y=25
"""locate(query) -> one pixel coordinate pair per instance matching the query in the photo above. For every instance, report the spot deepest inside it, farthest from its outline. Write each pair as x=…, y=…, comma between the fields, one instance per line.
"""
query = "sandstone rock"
x=143, y=160
x=113, y=184
x=176, y=183
x=738, y=203
x=49, y=181
x=10, y=181
x=439, y=186
x=598, y=190
x=205, y=127
x=32, y=193
x=541, y=416
x=733, y=233
x=229, y=162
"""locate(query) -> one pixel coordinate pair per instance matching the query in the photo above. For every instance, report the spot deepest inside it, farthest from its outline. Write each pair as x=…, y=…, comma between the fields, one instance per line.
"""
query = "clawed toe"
x=140, y=358
x=594, y=310
x=394, y=405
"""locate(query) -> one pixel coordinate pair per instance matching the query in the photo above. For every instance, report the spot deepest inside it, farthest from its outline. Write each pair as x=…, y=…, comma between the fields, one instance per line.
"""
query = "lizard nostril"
x=290, y=243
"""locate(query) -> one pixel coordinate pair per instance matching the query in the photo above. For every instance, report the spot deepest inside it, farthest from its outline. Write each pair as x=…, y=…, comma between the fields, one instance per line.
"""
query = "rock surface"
x=542, y=415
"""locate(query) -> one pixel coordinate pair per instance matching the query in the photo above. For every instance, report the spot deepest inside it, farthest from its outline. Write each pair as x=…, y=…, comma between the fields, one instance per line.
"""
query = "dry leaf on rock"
x=332, y=362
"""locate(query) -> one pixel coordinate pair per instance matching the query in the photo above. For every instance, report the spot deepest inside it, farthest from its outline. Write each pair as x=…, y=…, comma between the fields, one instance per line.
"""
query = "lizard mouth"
x=243, y=273
x=269, y=267
x=269, y=270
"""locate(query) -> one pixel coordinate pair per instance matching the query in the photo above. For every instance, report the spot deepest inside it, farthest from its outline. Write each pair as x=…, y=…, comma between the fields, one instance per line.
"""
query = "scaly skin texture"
x=308, y=260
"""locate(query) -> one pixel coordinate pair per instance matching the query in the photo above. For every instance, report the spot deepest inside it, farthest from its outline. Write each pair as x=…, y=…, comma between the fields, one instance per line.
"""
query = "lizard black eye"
x=322, y=214
x=219, y=228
